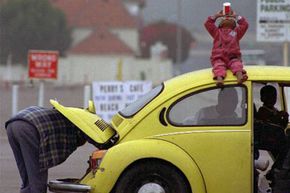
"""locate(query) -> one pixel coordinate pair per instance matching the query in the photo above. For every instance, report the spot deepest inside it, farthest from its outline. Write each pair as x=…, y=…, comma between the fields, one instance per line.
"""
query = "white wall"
x=85, y=69
x=79, y=34
x=15, y=73
x=81, y=69
x=129, y=36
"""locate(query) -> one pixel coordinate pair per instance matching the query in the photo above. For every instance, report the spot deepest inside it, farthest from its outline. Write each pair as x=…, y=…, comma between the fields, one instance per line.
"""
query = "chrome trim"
x=202, y=131
x=151, y=188
x=62, y=186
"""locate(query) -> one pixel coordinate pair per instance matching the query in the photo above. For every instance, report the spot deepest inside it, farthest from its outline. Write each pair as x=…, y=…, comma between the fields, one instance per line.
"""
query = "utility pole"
x=285, y=53
x=178, y=34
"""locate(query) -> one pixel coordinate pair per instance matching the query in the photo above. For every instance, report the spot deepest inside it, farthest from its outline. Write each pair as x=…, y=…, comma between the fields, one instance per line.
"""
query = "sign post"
x=15, y=89
x=285, y=53
x=273, y=23
x=42, y=65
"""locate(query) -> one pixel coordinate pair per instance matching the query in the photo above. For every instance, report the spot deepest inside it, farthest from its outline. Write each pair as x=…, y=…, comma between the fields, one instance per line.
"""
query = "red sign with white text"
x=43, y=64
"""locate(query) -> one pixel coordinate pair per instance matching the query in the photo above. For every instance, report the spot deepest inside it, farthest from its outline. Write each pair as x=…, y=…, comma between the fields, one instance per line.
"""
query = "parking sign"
x=273, y=20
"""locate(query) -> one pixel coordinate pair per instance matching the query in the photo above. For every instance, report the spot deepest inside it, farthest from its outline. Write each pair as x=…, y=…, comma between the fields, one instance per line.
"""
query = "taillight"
x=96, y=159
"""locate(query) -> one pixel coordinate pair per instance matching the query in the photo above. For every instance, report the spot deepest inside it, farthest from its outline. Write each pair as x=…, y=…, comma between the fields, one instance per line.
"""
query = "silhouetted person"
x=271, y=134
x=222, y=112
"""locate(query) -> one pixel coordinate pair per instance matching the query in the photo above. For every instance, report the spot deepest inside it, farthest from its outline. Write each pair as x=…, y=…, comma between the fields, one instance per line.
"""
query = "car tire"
x=153, y=177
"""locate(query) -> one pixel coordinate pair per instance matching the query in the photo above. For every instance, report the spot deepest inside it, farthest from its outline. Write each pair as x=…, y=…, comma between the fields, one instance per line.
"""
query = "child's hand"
x=234, y=14
x=219, y=14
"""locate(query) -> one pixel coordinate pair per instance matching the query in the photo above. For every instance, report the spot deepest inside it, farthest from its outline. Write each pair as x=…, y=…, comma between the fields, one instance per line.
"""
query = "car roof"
x=204, y=77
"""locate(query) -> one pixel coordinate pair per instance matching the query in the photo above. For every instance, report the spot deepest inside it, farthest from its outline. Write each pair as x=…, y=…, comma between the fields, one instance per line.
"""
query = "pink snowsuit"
x=226, y=48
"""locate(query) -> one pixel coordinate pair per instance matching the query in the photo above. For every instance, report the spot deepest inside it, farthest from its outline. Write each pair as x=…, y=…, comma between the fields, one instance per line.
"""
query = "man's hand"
x=284, y=117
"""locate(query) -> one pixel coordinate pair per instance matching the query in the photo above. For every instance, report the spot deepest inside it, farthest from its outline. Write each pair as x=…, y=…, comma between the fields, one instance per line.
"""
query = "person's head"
x=228, y=22
x=268, y=95
x=227, y=100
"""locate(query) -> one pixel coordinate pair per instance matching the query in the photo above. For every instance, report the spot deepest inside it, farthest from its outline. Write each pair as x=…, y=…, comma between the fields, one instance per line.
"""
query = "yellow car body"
x=210, y=158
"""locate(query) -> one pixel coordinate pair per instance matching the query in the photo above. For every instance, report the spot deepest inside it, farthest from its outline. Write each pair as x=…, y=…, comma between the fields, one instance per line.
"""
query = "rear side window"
x=214, y=106
x=257, y=98
x=136, y=106
x=287, y=98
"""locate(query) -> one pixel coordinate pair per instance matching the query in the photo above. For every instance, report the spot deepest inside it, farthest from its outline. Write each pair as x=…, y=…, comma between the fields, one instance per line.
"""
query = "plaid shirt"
x=58, y=136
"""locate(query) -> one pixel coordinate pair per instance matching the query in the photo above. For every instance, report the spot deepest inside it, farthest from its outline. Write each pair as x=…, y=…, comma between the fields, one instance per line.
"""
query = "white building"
x=104, y=33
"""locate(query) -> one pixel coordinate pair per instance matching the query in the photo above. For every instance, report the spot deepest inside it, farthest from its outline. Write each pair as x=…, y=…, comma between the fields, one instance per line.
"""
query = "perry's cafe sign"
x=42, y=64
x=273, y=20
x=112, y=96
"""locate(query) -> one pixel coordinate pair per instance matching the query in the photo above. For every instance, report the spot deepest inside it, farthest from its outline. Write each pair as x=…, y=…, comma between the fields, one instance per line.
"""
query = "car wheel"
x=152, y=177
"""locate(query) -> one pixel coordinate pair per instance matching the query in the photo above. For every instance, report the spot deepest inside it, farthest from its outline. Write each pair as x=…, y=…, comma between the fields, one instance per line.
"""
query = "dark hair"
x=227, y=94
x=267, y=91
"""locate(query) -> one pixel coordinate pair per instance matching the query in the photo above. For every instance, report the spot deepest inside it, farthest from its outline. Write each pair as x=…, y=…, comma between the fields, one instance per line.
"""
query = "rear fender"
x=119, y=157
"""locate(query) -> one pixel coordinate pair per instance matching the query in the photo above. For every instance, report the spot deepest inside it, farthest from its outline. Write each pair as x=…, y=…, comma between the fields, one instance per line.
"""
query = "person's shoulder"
x=262, y=108
x=261, y=111
x=207, y=110
x=213, y=107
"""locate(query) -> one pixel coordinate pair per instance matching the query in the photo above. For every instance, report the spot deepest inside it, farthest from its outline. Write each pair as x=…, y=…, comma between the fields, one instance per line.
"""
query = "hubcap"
x=151, y=188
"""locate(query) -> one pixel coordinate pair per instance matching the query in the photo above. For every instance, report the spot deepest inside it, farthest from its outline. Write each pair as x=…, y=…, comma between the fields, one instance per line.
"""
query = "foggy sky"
x=194, y=12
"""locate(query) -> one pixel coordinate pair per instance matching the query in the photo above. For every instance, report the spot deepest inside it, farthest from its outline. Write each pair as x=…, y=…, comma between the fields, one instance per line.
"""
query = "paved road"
x=74, y=166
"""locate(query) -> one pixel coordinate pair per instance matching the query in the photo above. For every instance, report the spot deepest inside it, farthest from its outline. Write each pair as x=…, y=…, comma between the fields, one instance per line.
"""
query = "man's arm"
x=278, y=118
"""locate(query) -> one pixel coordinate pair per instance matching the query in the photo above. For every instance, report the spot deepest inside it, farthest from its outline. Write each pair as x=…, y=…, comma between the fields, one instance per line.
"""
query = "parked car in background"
x=169, y=141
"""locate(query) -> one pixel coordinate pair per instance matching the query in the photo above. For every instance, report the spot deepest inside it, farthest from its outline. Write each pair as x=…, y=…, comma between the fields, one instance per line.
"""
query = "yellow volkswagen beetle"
x=172, y=141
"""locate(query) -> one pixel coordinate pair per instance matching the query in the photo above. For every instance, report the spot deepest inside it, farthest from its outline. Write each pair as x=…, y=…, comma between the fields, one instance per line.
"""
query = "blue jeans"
x=24, y=141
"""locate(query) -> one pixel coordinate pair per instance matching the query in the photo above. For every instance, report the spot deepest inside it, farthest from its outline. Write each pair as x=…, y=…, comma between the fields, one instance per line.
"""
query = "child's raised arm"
x=242, y=26
x=210, y=23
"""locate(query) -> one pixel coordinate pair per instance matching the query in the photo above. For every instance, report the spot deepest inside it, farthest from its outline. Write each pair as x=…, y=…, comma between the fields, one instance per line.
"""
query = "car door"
x=270, y=141
x=221, y=148
x=286, y=97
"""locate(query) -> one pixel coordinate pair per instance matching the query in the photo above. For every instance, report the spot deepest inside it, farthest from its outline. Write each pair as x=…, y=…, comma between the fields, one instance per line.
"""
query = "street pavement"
x=74, y=167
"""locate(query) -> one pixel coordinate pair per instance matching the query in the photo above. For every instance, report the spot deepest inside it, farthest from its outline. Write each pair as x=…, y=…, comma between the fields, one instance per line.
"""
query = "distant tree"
x=31, y=24
x=165, y=33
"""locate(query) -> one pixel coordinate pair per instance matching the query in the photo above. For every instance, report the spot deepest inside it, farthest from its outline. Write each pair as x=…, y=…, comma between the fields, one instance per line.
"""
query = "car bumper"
x=65, y=186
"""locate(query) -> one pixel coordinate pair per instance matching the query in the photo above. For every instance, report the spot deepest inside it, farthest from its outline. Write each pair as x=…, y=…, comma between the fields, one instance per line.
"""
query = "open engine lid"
x=91, y=124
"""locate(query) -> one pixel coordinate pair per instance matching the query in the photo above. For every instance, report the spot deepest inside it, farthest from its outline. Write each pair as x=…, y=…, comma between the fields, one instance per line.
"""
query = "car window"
x=214, y=106
x=287, y=98
x=256, y=95
x=136, y=106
